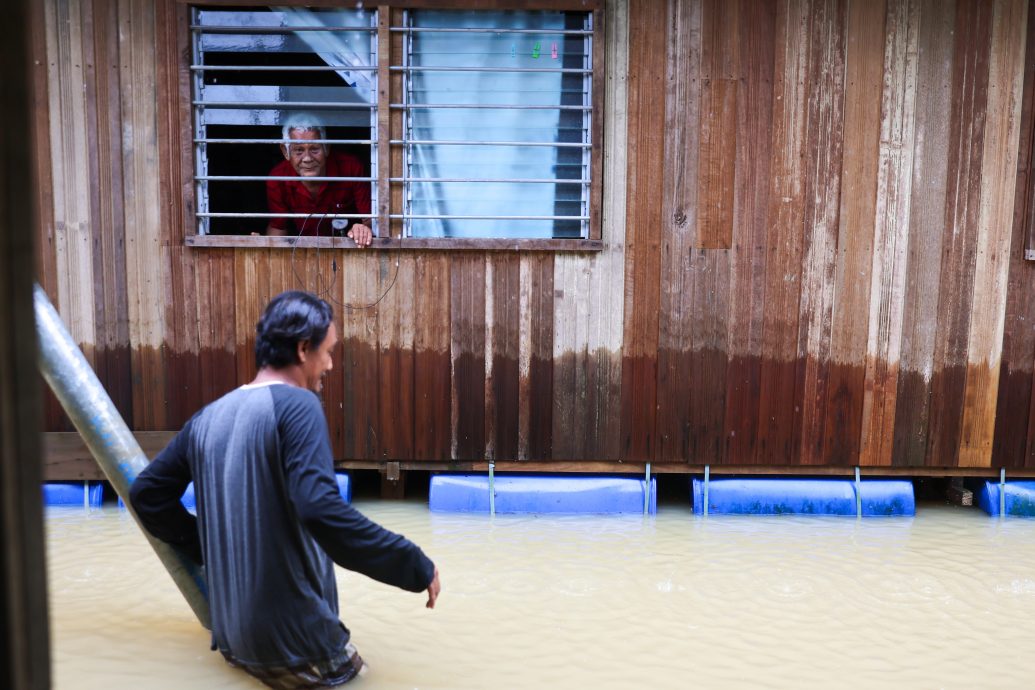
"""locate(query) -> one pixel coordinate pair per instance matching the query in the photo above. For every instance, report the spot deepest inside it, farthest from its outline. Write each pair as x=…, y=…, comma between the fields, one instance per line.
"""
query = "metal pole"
x=492, y=488
x=1002, y=493
x=707, y=477
x=646, y=492
x=858, y=495
x=110, y=442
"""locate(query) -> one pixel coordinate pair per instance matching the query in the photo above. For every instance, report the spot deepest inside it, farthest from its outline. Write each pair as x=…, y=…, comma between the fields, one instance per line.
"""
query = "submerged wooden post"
x=106, y=435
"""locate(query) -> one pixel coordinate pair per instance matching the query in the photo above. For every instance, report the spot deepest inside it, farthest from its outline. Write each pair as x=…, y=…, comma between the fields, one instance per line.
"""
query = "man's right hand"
x=433, y=589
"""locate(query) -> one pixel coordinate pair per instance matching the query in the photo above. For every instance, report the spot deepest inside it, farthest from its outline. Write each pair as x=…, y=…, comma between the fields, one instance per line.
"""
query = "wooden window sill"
x=414, y=243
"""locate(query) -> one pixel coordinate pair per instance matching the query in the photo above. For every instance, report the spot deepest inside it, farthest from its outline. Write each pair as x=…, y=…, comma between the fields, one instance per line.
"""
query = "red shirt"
x=284, y=196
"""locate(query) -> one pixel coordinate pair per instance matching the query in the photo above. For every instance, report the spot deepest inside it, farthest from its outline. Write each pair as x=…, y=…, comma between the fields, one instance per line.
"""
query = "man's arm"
x=155, y=496
x=350, y=539
x=276, y=203
x=361, y=231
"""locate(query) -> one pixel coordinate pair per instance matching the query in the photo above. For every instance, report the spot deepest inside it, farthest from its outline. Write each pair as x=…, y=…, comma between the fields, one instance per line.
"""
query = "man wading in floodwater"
x=270, y=518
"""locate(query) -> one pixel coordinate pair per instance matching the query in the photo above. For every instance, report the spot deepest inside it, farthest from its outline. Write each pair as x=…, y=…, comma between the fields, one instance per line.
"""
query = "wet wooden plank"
x=709, y=258
x=538, y=401
x=502, y=319
x=967, y=132
x=927, y=202
x=467, y=351
x=681, y=218
x=835, y=293
x=1018, y=348
x=395, y=368
x=607, y=272
x=999, y=179
x=145, y=261
x=750, y=219
x=432, y=367
x=779, y=420
x=104, y=120
x=891, y=232
x=574, y=357
x=182, y=340
x=646, y=98
x=362, y=283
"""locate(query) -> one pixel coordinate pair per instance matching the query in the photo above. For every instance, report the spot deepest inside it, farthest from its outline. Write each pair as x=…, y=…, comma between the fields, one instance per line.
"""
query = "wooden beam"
x=24, y=653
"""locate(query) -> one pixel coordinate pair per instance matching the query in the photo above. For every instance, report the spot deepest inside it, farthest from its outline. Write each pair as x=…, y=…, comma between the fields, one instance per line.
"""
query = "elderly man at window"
x=305, y=157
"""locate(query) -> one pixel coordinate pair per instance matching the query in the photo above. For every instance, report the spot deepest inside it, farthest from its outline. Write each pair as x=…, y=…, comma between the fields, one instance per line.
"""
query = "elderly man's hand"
x=361, y=235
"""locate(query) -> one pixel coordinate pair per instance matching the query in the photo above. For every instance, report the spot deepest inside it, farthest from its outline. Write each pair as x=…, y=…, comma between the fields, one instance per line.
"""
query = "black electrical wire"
x=324, y=288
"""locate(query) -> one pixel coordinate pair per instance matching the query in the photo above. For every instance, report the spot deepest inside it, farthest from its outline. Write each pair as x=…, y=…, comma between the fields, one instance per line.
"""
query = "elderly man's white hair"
x=303, y=123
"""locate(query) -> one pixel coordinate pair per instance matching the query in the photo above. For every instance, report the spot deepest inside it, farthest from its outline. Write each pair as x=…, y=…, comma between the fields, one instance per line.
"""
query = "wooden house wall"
x=814, y=217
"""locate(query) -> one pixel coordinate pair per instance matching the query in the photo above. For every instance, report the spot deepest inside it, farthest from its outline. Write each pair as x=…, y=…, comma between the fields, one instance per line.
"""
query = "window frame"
x=389, y=163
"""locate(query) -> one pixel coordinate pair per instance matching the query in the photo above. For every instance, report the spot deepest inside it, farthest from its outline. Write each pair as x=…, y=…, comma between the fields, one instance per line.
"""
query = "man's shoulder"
x=342, y=160
x=294, y=396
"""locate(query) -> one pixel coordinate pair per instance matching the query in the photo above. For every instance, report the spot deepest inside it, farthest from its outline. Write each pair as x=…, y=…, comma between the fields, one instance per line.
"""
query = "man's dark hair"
x=290, y=318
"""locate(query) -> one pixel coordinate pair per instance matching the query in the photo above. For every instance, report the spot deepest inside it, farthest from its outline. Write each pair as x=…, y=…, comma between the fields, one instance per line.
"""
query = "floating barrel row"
x=571, y=494
x=91, y=494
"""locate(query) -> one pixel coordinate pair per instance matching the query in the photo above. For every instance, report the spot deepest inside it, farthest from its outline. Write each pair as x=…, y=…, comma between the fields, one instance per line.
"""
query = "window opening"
x=257, y=69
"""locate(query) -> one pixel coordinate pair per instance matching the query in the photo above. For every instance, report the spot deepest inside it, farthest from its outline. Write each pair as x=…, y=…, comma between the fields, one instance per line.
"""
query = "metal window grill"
x=251, y=70
x=495, y=110
x=497, y=123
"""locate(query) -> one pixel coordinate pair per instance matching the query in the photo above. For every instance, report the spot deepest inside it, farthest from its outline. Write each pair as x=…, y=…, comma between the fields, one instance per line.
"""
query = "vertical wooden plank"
x=145, y=261
x=778, y=440
x=536, y=362
x=395, y=350
x=42, y=43
x=646, y=97
x=69, y=137
x=750, y=223
x=607, y=272
x=998, y=180
x=432, y=368
x=717, y=128
x=891, y=232
x=575, y=354
x=24, y=642
x=362, y=283
x=836, y=343
x=1015, y=409
x=502, y=319
x=467, y=350
x=104, y=119
x=570, y=351
x=43, y=198
x=175, y=197
x=682, y=218
x=966, y=135
x=927, y=202
x=708, y=257
x=825, y=144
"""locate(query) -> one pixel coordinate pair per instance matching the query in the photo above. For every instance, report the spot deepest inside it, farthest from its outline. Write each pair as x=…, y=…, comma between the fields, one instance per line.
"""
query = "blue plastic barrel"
x=469, y=493
x=804, y=497
x=1020, y=498
x=73, y=494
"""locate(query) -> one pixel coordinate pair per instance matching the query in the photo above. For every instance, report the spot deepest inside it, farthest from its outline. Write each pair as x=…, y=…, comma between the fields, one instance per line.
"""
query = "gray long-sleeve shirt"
x=270, y=522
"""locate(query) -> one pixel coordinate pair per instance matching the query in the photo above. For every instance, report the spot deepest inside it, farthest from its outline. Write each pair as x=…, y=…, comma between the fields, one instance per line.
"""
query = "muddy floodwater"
x=943, y=600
